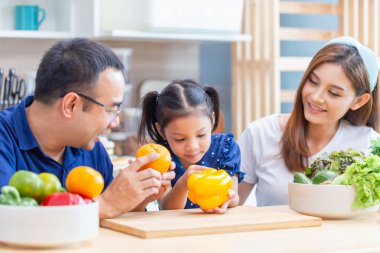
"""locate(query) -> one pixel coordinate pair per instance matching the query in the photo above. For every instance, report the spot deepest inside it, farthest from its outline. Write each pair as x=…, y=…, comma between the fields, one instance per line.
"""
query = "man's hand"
x=167, y=177
x=131, y=187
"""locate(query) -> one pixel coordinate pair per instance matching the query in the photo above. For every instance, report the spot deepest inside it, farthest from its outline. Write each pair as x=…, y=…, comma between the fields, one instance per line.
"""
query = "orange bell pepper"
x=209, y=188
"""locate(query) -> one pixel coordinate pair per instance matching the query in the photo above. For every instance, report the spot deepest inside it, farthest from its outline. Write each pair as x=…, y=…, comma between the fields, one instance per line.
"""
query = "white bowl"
x=325, y=201
x=48, y=226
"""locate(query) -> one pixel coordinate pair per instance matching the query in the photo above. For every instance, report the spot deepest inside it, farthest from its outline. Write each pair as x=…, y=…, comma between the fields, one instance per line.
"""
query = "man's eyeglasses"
x=109, y=109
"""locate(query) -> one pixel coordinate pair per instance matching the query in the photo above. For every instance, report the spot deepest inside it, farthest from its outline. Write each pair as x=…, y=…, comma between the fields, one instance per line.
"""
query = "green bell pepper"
x=11, y=196
x=7, y=200
x=10, y=191
x=27, y=201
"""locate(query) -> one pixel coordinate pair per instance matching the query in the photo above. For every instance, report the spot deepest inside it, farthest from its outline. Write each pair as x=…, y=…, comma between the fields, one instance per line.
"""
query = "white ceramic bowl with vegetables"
x=48, y=226
x=340, y=185
x=35, y=211
x=325, y=201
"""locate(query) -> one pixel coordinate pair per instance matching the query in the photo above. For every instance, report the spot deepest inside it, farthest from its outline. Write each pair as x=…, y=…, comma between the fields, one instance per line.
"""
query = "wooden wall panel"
x=257, y=65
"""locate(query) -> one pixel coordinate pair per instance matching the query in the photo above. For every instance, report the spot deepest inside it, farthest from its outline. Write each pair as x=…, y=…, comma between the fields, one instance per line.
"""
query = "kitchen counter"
x=361, y=234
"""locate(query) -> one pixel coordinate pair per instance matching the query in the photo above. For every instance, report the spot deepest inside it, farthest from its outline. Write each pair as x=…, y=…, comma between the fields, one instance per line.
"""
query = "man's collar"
x=22, y=128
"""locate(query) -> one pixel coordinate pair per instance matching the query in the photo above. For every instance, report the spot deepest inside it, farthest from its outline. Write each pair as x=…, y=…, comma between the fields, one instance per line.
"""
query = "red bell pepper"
x=87, y=200
x=62, y=199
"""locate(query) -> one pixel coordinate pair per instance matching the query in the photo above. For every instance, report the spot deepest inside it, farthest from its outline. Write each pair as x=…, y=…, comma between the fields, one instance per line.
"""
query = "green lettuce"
x=336, y=161
x=364, y=175
x=375, y=147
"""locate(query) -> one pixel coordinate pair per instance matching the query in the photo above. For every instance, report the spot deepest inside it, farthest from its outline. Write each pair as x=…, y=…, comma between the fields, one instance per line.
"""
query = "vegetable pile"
x=27, y=188
x=348, y=168
x=335, y=161
x=364, y=174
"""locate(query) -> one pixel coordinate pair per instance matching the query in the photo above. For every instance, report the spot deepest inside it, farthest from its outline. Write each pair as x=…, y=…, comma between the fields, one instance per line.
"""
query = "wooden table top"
x=361, y=234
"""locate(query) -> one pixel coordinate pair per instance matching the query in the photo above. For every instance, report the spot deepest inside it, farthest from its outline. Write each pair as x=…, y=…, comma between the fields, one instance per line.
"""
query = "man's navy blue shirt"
x=19, y=150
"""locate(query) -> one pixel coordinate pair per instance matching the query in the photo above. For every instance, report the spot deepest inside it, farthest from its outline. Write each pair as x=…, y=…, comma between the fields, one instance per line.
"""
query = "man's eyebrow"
x=117, y=104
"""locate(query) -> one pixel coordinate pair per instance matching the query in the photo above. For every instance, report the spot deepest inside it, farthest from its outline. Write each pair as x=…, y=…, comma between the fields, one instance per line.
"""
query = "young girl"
x=182, y=118
x=336, y=108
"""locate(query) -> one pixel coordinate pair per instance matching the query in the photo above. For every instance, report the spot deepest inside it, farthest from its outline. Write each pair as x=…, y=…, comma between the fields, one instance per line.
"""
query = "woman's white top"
x=261, y=159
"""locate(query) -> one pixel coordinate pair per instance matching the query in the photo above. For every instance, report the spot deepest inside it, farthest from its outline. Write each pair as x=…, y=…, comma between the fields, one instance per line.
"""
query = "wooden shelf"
x=34, y=34
x=97, y=19
x=166, y=36
x=129, y=35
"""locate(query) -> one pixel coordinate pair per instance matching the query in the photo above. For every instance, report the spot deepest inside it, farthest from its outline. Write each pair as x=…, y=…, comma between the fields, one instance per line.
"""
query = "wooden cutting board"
x=194, y=222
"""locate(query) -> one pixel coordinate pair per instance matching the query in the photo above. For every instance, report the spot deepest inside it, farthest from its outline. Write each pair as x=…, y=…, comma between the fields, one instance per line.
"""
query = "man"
x=78, y=96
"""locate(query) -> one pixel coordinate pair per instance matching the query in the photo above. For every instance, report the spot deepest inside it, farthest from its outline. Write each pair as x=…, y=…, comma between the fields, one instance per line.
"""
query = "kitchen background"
x=150, y=58
x=154, y=58
x=199, y=50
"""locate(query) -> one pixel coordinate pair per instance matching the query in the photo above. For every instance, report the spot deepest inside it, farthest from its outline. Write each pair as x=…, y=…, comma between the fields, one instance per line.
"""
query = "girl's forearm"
x=176, y=198
x=235, y=200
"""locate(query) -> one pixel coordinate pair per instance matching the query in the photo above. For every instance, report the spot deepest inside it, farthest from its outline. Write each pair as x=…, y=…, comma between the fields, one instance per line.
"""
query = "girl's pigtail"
x=148, y=117
x=213, y=94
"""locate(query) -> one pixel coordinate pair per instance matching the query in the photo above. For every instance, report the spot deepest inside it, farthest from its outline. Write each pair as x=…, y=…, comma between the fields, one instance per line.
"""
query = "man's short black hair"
x=72, y=65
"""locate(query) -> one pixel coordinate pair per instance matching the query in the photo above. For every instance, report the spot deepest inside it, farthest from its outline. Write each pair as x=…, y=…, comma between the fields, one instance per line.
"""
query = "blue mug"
x=27, y=17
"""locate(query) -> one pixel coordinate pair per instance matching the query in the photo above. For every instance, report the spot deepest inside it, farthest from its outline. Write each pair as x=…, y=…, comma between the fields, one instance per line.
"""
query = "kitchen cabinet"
x=164, y=19
x=113, y=20
x=57, y=24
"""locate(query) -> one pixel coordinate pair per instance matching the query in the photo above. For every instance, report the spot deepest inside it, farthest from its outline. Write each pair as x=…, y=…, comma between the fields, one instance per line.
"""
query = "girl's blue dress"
x=224, y=153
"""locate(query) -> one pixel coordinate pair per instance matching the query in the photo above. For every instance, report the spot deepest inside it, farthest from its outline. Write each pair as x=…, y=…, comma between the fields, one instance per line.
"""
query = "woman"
x=336, y=108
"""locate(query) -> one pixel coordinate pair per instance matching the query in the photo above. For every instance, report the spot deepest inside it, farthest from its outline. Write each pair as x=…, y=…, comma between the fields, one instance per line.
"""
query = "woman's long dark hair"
x=178, y=99
x=294, y=149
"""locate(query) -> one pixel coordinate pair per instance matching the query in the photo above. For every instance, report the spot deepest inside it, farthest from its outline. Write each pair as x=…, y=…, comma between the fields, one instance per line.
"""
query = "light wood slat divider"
x=374, y=26
x=288, y=96
x=307, y=8
x=254, y=63
x=274, y=73
x=306, y=34
x=364, y=12
x=355, y=19
x=257, y=65
x=293, y=63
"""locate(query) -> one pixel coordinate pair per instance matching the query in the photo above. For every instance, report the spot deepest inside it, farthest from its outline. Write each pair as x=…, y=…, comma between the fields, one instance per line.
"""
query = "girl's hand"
x=189, y=171
x=194, y=169
x=222, y=208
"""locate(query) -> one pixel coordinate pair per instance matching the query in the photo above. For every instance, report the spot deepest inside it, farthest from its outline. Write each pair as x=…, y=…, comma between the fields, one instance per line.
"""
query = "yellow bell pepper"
x=209, y=188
